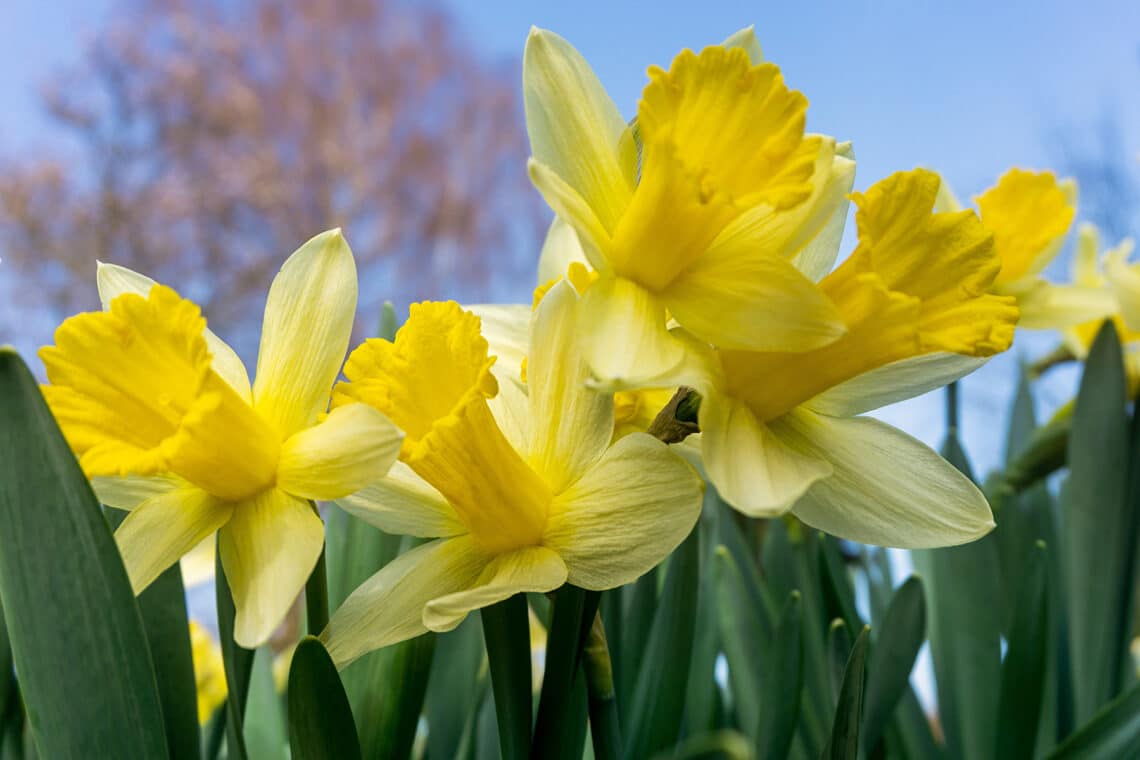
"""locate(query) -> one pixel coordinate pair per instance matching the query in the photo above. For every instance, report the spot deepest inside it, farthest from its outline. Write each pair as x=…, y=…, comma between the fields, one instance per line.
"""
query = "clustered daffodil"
x=523, y=491
x=166, y=423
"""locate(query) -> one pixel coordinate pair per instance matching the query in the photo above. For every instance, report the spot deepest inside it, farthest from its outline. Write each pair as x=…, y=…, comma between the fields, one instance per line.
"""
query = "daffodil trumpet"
x=165, y=422
x=518, y=484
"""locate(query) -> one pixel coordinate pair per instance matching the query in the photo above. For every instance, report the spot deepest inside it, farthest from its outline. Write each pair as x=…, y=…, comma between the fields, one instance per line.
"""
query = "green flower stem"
x=317, y=597
x=563, y=647
x=596, y=663
x=506, y=631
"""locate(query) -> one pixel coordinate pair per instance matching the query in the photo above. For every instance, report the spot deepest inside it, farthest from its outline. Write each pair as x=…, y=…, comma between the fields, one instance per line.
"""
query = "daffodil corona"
x=700, y=210
x=522, y=488
x=777, y=431
x=163, y=418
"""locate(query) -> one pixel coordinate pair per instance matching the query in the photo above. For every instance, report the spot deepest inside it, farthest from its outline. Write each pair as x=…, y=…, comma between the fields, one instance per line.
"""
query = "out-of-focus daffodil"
x=778, y=430
x=209, y=671
x=522, y=489
x=1030, y=214
x=712, y=208
x=165, y=422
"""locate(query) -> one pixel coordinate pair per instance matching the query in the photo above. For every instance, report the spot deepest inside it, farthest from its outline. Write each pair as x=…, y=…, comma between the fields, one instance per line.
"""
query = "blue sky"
x=969, y=88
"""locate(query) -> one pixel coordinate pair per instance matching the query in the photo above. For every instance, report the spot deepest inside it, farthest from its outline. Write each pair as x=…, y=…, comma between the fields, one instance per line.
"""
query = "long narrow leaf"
x=844, y=741
x=1023, y=672
x=320, y=719
x=901, y=634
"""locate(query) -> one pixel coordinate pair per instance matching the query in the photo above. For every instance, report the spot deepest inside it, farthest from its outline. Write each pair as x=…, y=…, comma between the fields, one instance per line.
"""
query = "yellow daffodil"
x=701, y=210
x=778, y=430
x=1113, y=272
x=522, y=488
x=209, y=672
x=163, y=418
x=1030, y=214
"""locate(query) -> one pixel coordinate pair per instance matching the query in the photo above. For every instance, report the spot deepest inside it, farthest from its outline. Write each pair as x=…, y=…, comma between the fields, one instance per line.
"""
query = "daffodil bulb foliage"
x=165, y=422
x=1030, y=214
x=518, y=485
x=778, y=429
x=713, y=207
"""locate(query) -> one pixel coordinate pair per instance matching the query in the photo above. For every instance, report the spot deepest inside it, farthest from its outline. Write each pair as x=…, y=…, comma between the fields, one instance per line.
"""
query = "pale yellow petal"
x=534, y=569
x=746, y=300
x=1125, y=281
x=819, y=253
x=268, y=549
x=894, y=382
x=569, y=205
x=573, y=125
x=887, y=488
x=114, y=280
x=946, y=200
x=1045, y=306
x=571, y=424
x=162, y=529
x=200, y=563
x=751, y=468
x=308, y=322
x=1084, y=265
x=389, y=607
x=626, y=514
x=511, y=410
x=745, y=39
x=560, y=249
x=351, y=448
x=404, y=504
x=506, y=327
x=624, y=340
x=132, y=490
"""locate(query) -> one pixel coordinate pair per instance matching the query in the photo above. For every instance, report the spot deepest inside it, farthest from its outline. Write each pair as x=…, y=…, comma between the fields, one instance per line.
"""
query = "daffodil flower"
x=522, y=490
x=163, y=418
x=779, y=431
x=1030, y=214
x=701, y=210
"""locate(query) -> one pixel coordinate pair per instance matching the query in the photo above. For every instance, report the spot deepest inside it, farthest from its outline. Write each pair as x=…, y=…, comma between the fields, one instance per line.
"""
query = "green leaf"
x=701, y=695
x=659, y=699
x=782, y=678
x=838, y=593
x=964, y=606
x=1023, y=672
x=636, y=626
x=1043, y=454
x=455, y=689
x=553, y=725
x=320, y=719
x=743, y=635
x=844, y=741
x=76, y=635
x=237, y=661
x=1114, y=732
x=838, y=650
x=1097, y=542
x=506, y=631
x=901, y=633
x=266, y=735
x=356, y=551
x=9, y=691
x=717, y=745
x=387, y=692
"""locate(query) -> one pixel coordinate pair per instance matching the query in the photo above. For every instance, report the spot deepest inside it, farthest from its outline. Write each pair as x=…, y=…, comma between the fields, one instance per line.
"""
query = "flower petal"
x=745, y=39
x=268, y=549
x=534, y=569
x=742, y=299
x=132, y=490
x=560, y=249
x=403, y=503
x=626, y=514
x=752, y=469
x=351, y=448
x=887, y=488
x=505, y=326
x=571, y=424
x=893, y=382
x=573, y=125
x=820, y=250
x=1125, y=281
x=308, y=322
x=114, y=280
x=162, y=529
x=389, y=607
x=1045, y=306
x=624, y=340
x=569, y=205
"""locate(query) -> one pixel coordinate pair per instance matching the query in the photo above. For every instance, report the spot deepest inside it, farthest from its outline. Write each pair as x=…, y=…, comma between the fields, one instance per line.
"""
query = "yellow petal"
x=741, y=298
x=752, y=469
x=1084, y=266
x=571, y=424
x=624, y=340
x=162, y=529
x=389, y=607
x=129, y=492
x=887, y=488
x=114, y=280
x=1029, y=213
x=573, y=125
x=200, y=563
x=134, y=392
x=1045, y=306
x=403, y=504
x=560, y=249
x=351, y=448
x=626, y=514
x=532, y=569
x=745, y=39
x=268, y=549
x=897, y=381
x=506, y=328
x=568, y=204
x=1125, y=281
x=308, y=322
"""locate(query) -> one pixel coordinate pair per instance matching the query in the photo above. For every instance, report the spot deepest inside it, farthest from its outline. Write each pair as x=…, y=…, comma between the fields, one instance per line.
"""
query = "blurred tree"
x=215, y=137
